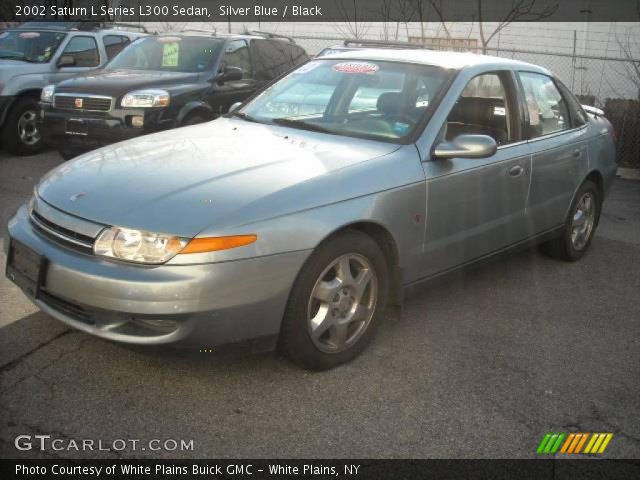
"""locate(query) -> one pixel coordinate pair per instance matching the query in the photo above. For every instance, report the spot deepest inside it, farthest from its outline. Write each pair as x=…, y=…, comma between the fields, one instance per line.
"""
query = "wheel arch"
x=29, y=92
x=596, y=177
x=387, y=243
x=192, y=108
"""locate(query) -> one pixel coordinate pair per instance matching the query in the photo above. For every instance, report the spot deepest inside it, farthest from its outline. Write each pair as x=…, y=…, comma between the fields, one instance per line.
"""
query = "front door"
x=476, y=207
x=221, y=97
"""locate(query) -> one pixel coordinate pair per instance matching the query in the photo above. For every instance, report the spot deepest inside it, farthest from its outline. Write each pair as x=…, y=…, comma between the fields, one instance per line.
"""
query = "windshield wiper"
x=290, y=122
x=244, y=116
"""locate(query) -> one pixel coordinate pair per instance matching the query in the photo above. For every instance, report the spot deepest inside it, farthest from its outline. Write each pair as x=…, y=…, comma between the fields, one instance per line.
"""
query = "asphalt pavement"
x=480, y=364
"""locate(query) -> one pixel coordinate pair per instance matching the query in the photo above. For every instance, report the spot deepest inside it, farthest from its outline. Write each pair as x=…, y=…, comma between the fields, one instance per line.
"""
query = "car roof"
x=226, y=36
x=438, y=58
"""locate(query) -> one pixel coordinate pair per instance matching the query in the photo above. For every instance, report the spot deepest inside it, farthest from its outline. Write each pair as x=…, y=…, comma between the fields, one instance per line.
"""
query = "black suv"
x=160, y=82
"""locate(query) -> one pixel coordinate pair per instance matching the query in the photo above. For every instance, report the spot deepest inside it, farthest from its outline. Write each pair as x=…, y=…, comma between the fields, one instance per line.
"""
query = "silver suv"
x=36, y=54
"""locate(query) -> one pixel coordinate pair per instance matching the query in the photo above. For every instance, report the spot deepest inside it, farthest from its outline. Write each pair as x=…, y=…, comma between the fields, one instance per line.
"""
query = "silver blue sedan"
x=294, y=219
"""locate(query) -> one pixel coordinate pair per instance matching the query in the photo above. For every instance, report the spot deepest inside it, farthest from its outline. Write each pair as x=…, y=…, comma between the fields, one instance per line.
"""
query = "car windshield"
x=368, y=99
x=169, y=53
x=29, y=46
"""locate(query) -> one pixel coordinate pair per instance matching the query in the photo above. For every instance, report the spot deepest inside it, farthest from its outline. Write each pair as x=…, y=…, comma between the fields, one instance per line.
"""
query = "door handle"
x=577, y=153
x=516, y=171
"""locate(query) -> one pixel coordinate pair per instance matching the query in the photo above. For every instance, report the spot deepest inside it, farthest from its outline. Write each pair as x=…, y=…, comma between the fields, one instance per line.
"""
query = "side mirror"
x=229, y=74
x=466, y=146
x=234, y=107
x=66, y=61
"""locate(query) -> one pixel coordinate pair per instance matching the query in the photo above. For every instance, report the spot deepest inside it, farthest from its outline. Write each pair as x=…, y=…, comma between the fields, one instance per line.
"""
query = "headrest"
x=473, y=110
x=390, y=102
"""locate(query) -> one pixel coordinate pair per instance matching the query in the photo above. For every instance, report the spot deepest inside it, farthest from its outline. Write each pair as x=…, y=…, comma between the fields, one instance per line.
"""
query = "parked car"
x=350, y=45
x=295, y=229
x=36, y=54
x=162, y=82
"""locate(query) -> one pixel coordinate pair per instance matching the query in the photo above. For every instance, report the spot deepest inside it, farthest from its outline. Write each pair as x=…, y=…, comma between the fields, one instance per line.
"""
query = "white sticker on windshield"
x=3, y=34
x=307, y=67
x=356, y=67
x=168, y=39
x=29, y=35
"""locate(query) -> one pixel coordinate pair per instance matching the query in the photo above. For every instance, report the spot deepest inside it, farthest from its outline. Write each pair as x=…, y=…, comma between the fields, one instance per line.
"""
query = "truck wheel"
x=20, y=134
x=67, y=154
x=194, y=120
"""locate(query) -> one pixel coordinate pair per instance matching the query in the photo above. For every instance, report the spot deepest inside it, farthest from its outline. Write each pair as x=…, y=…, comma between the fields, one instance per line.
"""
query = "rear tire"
x=336, y=302
x=580, y=225
x=20, y=133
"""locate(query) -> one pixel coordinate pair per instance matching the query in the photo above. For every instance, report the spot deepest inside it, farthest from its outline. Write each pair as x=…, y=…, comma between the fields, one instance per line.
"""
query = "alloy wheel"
x=342, y=303
x=583, y=221
x=27, y=128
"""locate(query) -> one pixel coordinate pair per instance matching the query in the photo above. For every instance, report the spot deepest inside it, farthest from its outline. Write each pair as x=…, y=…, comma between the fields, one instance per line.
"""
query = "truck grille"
x=79, y=102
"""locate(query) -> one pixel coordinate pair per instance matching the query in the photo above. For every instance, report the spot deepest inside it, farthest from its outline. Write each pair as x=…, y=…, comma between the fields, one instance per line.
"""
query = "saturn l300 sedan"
x=293, y=220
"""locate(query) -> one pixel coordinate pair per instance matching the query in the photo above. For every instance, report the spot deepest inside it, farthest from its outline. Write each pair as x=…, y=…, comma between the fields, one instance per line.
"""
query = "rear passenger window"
x=578, y=117
x=482, y=109
x=113, y=44
x=236, y=54
x=84, y=51
x=547, y=109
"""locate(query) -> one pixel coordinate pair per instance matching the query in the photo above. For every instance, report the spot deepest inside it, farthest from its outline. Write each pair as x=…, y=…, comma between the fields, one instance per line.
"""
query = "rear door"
x=558, y=142
x=477, y=206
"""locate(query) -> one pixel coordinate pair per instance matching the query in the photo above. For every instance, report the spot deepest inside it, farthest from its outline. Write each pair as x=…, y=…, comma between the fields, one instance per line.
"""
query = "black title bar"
x=351, y=11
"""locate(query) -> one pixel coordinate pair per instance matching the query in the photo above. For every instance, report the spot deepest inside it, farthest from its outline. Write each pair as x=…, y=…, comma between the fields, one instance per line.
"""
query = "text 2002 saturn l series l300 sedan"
x=291, y=220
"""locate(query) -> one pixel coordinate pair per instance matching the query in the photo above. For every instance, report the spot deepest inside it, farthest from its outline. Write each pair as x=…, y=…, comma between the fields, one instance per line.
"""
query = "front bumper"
x=197, y=306
x=102, y=128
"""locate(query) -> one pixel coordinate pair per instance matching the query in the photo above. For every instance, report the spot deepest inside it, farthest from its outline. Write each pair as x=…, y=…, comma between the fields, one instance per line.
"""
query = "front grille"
x=62, y=235
x=71, y=309
x=82, y=102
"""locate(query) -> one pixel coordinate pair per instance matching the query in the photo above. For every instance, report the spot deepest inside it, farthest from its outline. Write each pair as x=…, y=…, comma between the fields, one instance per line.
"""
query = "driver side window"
x=482, y=109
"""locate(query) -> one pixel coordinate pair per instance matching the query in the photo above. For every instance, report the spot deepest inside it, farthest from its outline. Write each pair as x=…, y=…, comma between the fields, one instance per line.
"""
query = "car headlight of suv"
x=145, y=99
x=47, y=94
x=156, y=248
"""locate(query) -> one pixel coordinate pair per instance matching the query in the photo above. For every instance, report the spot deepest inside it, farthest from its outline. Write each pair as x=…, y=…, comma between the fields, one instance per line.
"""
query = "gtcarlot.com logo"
x=47, y=442
x=573, y=443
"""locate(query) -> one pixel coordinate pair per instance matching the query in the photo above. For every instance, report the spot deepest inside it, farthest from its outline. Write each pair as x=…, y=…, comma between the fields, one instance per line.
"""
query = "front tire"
x=21, y=135
x=580, y=225
x=336, y=302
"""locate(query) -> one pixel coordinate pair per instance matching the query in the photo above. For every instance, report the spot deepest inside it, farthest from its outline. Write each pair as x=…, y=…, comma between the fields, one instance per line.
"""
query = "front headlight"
x=145, y=99
x=47, y=94
x=155, y=248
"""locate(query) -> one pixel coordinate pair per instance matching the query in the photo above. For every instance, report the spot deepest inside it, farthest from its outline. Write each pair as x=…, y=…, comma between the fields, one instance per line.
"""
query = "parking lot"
x=479, y=364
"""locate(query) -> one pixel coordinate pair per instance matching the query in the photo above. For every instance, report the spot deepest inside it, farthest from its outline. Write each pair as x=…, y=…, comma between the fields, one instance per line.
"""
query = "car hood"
x=119, y=82
x=13, y=68
x=213, y=174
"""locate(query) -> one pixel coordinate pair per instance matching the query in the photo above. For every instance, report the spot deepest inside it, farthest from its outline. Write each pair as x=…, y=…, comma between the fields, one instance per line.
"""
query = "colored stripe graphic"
x=598, y=443
x=572, y=443
x=581, y=443
x=550, y=443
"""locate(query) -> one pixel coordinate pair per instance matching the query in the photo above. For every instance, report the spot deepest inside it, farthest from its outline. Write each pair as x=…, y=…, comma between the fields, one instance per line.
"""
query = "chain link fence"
x=603, y=82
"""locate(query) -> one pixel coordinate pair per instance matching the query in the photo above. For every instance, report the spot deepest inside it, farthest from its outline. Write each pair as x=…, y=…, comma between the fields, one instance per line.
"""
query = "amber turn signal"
x=212, y=244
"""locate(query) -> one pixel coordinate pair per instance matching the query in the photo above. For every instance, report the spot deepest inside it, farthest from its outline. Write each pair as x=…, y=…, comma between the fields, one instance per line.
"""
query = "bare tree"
x=629, y=44
x=521, y=10
x=172, y=26
x=351, y=27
